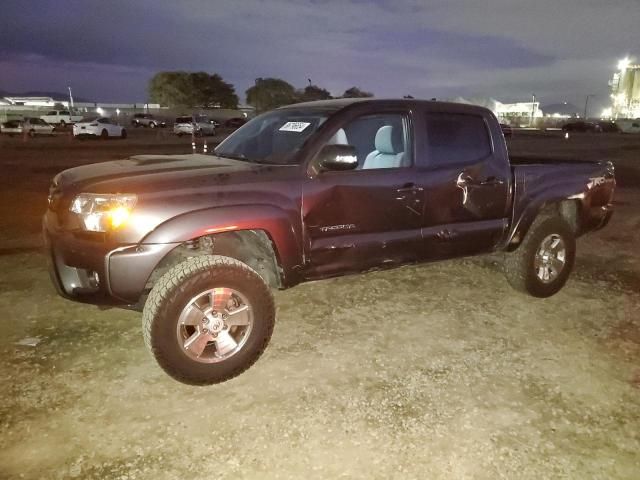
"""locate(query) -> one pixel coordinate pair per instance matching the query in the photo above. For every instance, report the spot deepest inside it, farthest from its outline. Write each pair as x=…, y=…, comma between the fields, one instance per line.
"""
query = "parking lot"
x=430, y=371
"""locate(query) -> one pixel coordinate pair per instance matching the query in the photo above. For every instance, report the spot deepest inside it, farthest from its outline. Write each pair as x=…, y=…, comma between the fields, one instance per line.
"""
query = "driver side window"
x=381, y=140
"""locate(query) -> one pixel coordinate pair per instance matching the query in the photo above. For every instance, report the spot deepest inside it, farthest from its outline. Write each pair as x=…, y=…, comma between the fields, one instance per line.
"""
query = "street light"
x=624, y=64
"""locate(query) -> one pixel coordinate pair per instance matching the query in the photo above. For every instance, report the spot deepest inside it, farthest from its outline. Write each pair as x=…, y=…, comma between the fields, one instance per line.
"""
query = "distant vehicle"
x=146, y=120
x=507, y=131
x=203, y=125
x=32, y=126
x=61, y=117
x=581, y=126
x=12, y=127
x=608, y=127
x=98, y=127
x=235, y=122
x=629, y=126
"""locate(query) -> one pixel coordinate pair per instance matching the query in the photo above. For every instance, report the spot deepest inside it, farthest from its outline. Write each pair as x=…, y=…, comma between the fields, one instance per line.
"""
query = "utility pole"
x=533, y=108
x=70, y=99
x=586, y=106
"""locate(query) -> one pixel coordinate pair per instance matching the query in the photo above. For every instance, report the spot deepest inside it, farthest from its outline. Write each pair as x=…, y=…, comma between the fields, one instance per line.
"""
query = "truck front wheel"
x=208, y=319
x=541, y=265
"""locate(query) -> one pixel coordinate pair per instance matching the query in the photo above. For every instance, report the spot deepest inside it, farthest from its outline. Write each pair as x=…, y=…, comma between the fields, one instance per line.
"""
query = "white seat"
x=384, y=156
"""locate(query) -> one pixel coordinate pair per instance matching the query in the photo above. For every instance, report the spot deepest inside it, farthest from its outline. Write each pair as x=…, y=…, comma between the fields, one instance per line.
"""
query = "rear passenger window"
x=456, y=139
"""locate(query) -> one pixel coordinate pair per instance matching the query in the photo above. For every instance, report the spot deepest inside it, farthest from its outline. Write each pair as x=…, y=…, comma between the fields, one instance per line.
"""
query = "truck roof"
x=340, y=103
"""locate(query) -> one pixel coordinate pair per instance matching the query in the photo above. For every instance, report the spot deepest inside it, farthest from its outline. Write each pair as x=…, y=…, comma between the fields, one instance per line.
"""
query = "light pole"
x=586, y=105
x=533, y=108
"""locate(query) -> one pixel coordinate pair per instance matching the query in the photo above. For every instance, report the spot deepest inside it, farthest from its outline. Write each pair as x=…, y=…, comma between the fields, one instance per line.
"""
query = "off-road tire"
x=174, y=290
x=519, y=265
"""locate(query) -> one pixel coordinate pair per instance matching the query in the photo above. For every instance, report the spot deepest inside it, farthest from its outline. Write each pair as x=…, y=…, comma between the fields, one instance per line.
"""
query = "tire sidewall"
x=546, y=227
x=164, y=342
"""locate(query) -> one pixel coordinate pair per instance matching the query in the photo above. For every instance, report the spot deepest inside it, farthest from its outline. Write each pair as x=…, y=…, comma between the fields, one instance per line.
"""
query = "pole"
x=70, y=99
x=533, y=108
x=586, y=106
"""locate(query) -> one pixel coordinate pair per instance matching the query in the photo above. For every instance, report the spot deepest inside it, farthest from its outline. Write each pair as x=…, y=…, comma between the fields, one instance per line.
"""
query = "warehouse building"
x=625, y=90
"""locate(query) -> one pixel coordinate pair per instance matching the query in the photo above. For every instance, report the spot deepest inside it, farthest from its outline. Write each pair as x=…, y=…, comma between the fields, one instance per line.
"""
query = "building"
x=625, y=90
x=518, y=114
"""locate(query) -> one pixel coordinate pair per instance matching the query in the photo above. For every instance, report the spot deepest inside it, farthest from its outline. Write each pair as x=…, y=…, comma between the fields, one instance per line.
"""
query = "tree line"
x=204, y=90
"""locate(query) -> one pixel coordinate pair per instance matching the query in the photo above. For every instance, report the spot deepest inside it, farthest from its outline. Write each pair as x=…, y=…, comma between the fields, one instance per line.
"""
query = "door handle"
x=492, y=181
x=409, y=187
x=466, y=181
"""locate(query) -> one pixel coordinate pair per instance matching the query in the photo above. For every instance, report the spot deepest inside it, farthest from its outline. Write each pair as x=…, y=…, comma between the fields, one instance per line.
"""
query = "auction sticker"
x=294, y=126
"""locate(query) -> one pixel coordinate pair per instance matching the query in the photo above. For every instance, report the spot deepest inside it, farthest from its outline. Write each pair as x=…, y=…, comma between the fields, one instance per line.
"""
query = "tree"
x=314, y=92
x=355, y=92
x=270, y=93
x=192, y=89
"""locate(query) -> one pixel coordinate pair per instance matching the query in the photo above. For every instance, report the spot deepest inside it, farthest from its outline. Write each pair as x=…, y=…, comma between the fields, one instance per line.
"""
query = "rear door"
x=466, y=182
x=371, y=216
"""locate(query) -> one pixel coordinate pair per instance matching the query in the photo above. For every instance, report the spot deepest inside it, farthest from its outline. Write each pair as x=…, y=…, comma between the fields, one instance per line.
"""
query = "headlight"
x=103, y=212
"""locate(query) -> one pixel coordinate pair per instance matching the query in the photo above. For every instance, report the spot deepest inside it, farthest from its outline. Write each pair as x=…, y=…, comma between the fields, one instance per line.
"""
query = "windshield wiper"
x=236, y=156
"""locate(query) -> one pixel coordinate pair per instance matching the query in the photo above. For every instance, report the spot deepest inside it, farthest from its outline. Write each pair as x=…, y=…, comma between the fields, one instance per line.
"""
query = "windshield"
x=273, y=137
x=89, y=119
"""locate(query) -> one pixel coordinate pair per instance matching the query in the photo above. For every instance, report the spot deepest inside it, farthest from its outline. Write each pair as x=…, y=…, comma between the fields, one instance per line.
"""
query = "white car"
x=61, y=117
x=203, y=126
x=98, y=127
x=31, y=126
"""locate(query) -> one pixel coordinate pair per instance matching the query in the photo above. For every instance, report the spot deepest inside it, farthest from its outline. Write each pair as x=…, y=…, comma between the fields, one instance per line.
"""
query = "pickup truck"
x=304, y=192
x=61, y=117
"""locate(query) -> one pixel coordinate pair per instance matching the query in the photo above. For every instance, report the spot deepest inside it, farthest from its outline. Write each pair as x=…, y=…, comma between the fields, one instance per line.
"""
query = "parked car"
x=629, y=125
x=101, y=127
x=203, y=125
x=608, y=127
x=32, y=126
x=12, y=127
x=581, y=126
x=147, y=120
x=61, y=117
x=301, y=193
x=507, y=131
x=235, y=122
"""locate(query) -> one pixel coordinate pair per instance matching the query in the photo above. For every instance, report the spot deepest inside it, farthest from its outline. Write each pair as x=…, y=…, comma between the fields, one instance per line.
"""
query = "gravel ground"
x=432, y=371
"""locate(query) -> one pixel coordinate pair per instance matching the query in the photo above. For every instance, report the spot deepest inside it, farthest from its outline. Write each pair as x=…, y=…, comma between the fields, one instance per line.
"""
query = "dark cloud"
x=509, y=49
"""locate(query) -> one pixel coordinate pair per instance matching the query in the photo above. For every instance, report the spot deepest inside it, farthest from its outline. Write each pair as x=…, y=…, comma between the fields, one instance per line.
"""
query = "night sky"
x=561, y=50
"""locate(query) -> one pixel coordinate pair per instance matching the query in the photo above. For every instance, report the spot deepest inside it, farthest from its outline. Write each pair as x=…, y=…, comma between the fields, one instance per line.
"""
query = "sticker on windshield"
x=294, y=126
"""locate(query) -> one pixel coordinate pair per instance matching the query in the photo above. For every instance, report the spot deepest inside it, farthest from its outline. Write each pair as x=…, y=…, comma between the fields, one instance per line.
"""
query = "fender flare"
x=275, y=222
x=538, y=203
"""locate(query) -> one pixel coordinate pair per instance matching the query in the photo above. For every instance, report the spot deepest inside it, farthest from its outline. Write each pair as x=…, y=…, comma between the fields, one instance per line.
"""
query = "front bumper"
x=92, y=270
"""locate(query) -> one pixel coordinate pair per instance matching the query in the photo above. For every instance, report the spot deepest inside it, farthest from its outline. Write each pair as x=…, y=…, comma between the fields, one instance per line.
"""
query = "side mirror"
x=338, y=157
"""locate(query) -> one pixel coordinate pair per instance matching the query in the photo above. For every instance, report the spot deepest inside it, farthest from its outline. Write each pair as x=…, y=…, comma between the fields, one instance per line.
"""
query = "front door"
x=371, y=216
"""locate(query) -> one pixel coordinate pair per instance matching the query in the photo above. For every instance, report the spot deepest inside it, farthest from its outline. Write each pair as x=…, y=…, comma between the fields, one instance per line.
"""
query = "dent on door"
x=360, y=220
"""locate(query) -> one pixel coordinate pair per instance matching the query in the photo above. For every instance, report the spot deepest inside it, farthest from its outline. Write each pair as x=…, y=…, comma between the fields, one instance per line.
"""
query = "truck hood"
x=141, y=173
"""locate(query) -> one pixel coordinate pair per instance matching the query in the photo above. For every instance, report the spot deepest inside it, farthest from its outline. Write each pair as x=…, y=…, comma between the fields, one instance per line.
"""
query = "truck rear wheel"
x=541, y=265
x=208, y=319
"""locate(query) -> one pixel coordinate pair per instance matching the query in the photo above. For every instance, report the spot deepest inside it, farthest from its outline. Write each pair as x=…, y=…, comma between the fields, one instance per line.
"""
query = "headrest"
x=384, y=143
x=339, y=138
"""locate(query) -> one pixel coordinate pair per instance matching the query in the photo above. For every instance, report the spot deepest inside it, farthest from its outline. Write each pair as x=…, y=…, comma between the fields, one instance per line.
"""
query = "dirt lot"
x=433, y=371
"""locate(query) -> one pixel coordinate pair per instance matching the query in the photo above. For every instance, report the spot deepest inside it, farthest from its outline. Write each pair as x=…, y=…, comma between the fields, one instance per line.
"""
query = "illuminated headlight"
x=103, y=212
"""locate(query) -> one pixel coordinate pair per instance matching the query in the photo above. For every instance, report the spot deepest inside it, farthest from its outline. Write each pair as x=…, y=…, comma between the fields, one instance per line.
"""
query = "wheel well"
x=252, y=247
x=569, y=210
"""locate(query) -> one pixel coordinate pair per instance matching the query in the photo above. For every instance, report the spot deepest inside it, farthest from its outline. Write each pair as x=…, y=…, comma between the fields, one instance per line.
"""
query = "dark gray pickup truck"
x=306, y=192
